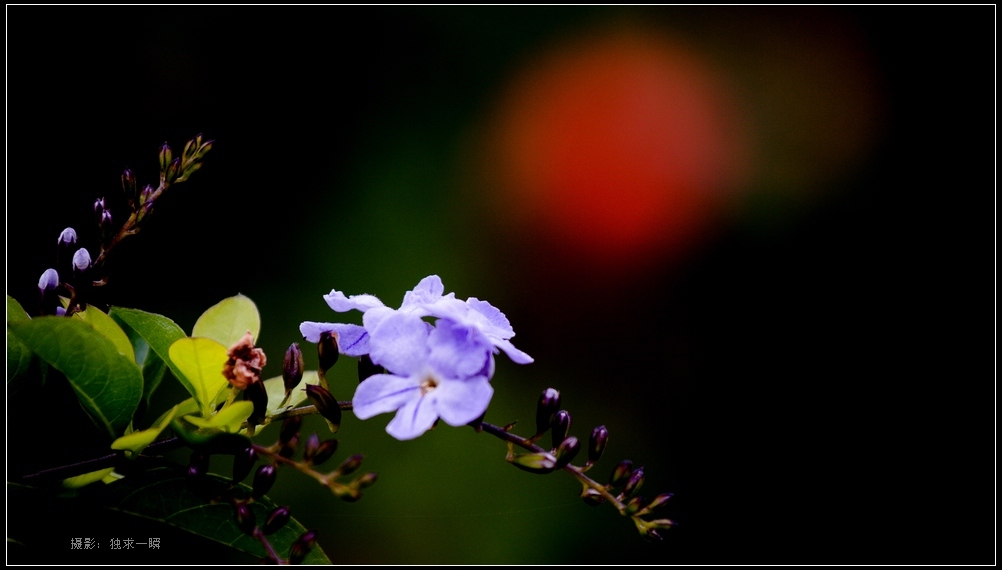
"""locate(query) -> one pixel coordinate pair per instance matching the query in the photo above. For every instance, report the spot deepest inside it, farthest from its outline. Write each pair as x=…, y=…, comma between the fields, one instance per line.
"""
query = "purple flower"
x=439, y=370
x=419, y=387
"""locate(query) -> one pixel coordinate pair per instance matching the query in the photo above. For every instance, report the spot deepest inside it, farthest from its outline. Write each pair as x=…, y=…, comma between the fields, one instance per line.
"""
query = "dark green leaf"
x=153, y=366
x=166, y=495
x=18, y=355
x=159, y=332
x=108, y=385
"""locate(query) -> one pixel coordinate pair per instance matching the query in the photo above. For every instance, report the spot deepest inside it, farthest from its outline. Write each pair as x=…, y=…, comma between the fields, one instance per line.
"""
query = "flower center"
x=428, y=385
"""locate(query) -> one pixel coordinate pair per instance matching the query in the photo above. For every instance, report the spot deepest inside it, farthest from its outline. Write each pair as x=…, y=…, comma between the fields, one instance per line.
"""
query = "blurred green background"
x=751, y=241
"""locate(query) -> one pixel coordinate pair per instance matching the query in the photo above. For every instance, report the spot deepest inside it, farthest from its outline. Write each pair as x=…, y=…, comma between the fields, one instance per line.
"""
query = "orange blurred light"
x=620, y=146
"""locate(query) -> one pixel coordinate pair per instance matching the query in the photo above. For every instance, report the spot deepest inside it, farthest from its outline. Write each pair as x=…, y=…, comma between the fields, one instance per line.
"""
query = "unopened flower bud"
x=324, y=451
x=546, y=409
x=129, y=185
x=243, y=462
x=596, y=443
x=326, y=404
x=592, y=497
x=539, y=463
x=99, y=207
x=174, y=169
x=67, y=237
x=290, y=427
x=621, y=473
x=327, y=350
x=106, y=223
x=367, y=368
x=632, y=506
x=257, y=393
x=566, y=451
x=366, y=480
x=276, y=520
x=263, y=480
x=244, y=518
x=659, y=501
x=350, y=465
x=561, y=425
x=292, y=367
x=302, y=547
x=81, y=260
x=49, y=280
x=165, y=158
x=634, y=482
x=312, y=445
x=145, y=195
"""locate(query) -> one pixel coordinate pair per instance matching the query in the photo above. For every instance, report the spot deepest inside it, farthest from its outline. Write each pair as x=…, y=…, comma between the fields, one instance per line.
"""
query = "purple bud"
x=145, y=194
x=561, y=425
x=366, y=480
x=257, y=393
x=165, y=158
x=243, y=462
x=634, y=482
x=566, y=451
x=326, y=404
x=99, y=207
x=292, y=368
x=276, y=520
x=312, y=445
x=327, y=350
x=81, y=260
x=129, y=184
x=659, y=501
x=596, y=444
x=633, y=506
x=324, y=451
x=592, y=498
x=302, y=547
x=263, y=480
x=546, y=409
x=350, y=465
x=288, y=448
x=48, y=281
x=621, y=473
x=67, y=237
x=244, y=518
x=106, y=220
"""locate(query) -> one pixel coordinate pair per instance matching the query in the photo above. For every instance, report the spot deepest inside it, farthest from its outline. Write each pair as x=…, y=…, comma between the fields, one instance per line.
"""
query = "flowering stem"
x=269, y=549
x=577, y=472
x=304, y=411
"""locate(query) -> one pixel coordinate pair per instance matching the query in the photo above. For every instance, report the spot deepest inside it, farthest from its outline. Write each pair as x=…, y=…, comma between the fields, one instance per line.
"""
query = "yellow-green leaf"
x=229, y=320
x=86, y=478
x=109, y=328
x=228, y=418
x=201, y=360
x=138, y=440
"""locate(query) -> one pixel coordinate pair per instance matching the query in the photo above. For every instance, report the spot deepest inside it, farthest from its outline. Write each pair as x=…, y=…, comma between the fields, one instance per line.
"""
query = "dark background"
x=811, y=379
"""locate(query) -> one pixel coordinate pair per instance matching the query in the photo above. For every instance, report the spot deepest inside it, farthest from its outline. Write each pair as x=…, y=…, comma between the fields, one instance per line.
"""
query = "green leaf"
x=105, y=325
x=138, y=440
x=152, y=365
x=87, y=478
x=19, y=356
x=201, y=361
x=159, y=332
x=164, y=494
x=228, y=418
x=228, y=321
x=108, y=385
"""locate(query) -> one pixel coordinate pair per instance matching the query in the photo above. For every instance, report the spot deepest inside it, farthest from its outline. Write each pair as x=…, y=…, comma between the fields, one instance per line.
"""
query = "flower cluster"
x=434, y=370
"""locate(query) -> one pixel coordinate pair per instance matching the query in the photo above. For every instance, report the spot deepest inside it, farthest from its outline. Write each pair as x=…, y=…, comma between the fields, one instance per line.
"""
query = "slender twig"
x=115, y=459
x=578, y=474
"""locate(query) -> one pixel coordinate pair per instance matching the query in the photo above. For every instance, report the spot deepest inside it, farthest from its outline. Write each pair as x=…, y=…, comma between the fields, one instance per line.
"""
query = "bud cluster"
x=76, y=272
x=625, y=481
